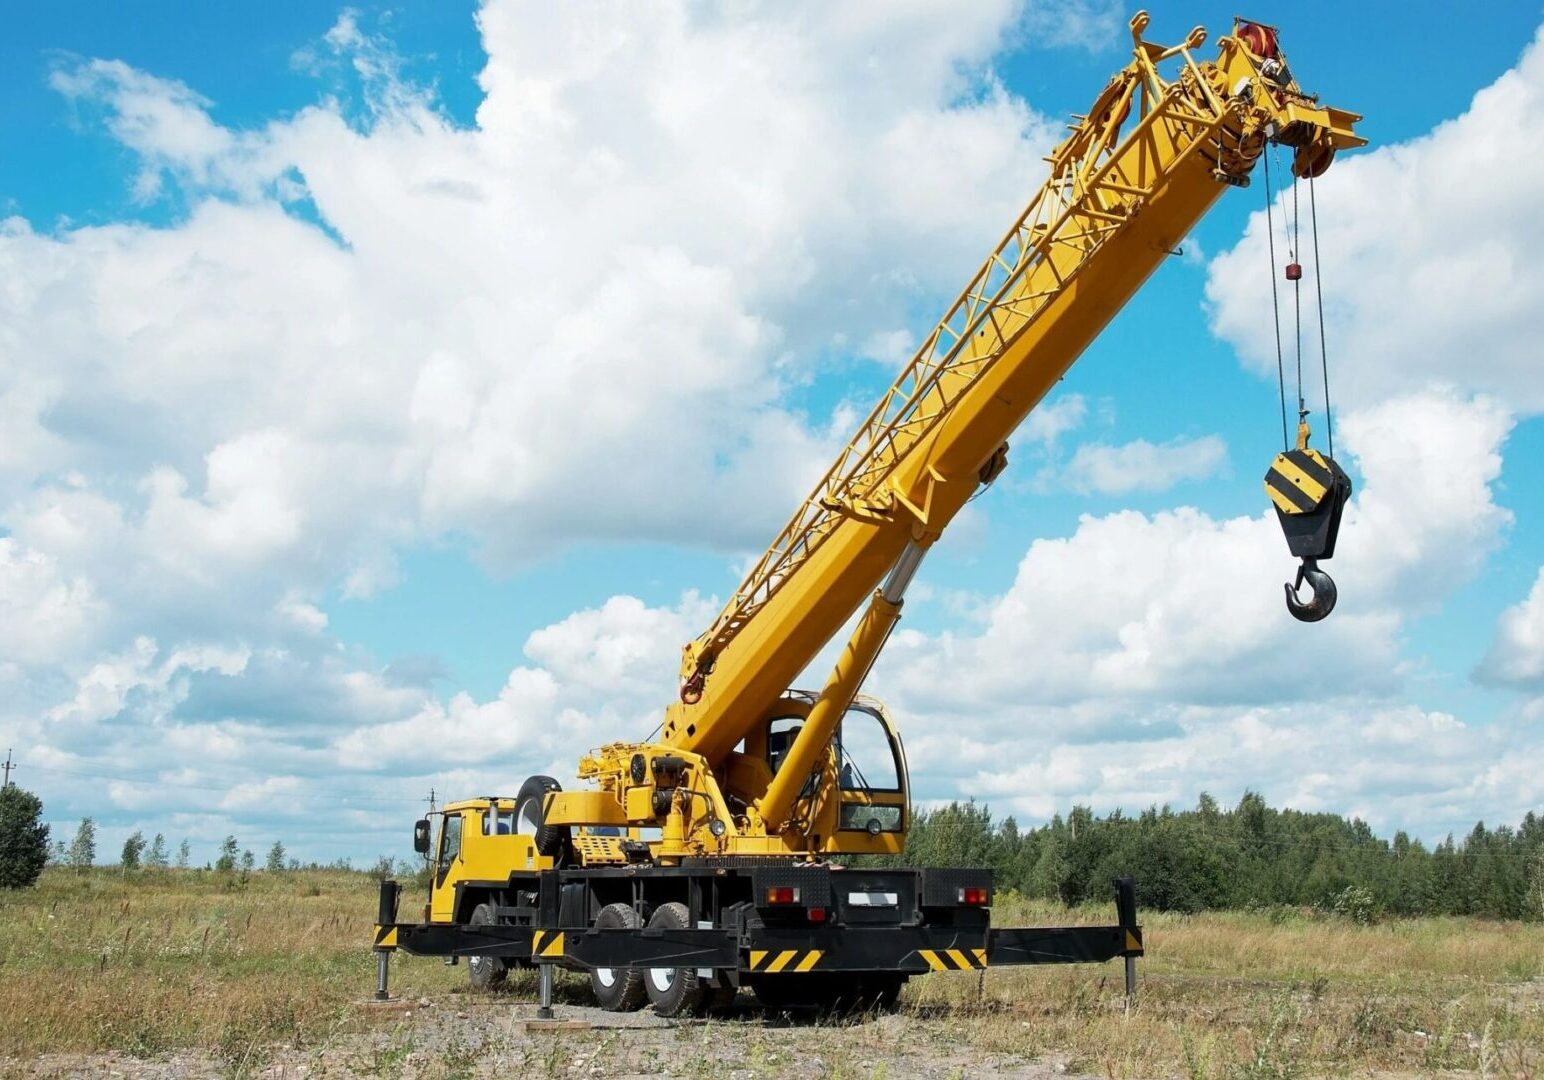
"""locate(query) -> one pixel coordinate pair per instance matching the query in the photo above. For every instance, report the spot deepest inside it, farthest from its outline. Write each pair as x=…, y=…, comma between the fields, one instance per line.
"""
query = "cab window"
x=450, y=839
x=498, y=822
x=868, y=763
x=873, y=800
x=780, y=736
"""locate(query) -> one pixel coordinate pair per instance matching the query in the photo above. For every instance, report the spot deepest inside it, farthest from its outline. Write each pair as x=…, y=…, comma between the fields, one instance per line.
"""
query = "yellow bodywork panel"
x=584, y=808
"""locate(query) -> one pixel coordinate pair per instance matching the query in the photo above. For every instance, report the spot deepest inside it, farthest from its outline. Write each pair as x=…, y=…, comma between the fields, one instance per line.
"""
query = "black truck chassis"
x=843, y=920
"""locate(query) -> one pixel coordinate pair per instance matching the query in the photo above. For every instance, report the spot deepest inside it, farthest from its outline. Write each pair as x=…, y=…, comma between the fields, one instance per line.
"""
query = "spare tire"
x=530, y=816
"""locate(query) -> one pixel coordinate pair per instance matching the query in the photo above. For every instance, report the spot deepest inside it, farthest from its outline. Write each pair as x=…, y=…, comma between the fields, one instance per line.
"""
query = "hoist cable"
x=1297, y=299
x=1318, y=285
x=1270, y=236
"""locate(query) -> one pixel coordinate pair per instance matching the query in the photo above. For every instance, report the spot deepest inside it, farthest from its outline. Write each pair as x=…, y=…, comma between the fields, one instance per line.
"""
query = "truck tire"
x=674, y=991
x=530, y=818
x=617, y=989
x=486, y=972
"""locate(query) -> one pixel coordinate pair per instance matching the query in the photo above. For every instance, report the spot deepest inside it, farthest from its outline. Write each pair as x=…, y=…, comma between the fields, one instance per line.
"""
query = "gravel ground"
x=462, y=1037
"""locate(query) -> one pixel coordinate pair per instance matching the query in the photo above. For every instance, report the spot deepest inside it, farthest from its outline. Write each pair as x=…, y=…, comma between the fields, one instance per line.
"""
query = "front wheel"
x=486, y=972
x=674, y=991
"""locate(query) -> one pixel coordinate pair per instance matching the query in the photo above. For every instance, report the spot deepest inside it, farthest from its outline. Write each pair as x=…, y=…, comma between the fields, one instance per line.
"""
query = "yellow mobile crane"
x=701, y=860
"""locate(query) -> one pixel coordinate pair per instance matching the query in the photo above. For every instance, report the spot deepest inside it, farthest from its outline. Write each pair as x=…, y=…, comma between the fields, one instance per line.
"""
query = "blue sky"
x=392, y=377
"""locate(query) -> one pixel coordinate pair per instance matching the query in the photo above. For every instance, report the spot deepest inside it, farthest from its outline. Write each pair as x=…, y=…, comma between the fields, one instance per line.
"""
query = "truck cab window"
x=450, y=839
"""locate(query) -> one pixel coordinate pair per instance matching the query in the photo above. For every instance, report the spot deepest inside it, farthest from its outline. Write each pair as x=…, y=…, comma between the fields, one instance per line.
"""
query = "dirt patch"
x=455, y=1037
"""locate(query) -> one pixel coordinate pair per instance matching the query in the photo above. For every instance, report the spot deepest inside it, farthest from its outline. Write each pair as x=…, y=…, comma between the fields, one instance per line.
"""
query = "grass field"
x=276, y=969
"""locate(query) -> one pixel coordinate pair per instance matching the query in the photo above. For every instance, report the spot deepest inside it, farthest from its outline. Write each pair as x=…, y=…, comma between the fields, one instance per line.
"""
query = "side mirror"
x=421, y=836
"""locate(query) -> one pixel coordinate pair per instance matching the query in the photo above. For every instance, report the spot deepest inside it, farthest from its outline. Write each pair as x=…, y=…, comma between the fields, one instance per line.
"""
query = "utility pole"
x=9, y=765
x=428, y=857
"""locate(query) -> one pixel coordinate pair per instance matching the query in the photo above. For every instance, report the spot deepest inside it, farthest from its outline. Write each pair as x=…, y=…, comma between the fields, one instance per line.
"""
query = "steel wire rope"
x=1318, y=286
x=1297, y=298
x=1270, y=237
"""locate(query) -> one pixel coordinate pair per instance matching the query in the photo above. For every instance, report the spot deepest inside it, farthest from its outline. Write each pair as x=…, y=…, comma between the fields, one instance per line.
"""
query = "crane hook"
x=1321, y=587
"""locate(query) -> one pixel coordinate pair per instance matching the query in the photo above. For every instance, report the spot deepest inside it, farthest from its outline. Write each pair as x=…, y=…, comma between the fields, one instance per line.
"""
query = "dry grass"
x=95, y=963
x=1271, y=996
x=188, y=958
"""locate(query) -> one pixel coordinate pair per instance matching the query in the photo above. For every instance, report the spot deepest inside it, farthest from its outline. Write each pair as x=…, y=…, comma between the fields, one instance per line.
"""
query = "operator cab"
x=870, y=766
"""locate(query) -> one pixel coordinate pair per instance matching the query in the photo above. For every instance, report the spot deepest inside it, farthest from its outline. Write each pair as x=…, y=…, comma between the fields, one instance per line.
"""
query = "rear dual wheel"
x=618, y=989
x=675, y=991
x=672, y=991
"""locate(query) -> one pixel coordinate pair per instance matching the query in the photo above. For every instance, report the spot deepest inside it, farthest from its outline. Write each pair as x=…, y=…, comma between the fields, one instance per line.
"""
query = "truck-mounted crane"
x=711, y=856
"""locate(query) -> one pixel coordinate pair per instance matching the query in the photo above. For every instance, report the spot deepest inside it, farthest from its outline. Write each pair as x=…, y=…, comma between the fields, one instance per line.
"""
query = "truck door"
x=442, y=901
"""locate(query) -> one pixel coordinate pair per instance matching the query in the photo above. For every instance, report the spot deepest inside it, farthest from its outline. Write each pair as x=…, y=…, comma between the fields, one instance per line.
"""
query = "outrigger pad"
x=1309, y=491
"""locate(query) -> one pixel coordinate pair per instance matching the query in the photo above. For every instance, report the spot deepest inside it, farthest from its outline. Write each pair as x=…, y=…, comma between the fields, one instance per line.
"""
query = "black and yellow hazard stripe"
x=770, y=960
x=954, y=959
x=1298, y=481
x=385, y=937
x=1133, y=941
x=547, y=944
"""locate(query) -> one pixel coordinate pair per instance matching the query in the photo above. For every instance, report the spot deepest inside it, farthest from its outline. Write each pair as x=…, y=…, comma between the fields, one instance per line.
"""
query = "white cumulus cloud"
x=1516, y=656
x=1128, y=662
x=1105, y=469
x=1430, y=248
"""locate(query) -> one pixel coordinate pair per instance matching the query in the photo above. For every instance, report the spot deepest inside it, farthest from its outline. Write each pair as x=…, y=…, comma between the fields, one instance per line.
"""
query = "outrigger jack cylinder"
x=382, y=969
x=386, y=915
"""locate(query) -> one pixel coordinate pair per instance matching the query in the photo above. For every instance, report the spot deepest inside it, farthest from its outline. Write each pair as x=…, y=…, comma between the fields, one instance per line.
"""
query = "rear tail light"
x=974, y=897
x=782, y=894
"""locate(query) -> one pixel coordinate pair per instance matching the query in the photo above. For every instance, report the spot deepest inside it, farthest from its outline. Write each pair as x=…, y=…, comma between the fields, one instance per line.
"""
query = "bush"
x=1357, y=904
x=23, y=838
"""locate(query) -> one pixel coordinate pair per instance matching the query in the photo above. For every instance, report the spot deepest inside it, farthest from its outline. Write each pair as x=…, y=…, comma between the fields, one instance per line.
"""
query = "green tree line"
x=1253, y=855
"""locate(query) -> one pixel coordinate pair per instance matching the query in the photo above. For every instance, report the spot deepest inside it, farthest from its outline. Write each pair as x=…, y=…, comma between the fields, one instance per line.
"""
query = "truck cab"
x=473, y=851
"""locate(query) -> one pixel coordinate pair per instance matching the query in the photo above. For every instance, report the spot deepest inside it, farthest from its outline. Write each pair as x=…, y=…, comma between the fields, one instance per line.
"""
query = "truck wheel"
x=530, y=820
x=486, y=972
x=618, y=989
x=674, y=991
